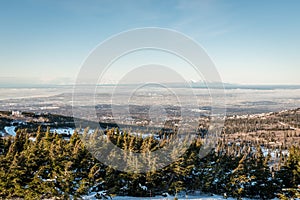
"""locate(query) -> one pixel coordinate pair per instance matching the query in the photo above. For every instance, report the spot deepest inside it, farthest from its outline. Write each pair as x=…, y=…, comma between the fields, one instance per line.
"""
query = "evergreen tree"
x=289, y=175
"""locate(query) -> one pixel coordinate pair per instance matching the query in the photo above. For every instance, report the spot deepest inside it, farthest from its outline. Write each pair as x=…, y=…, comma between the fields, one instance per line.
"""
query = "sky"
x=250, y=42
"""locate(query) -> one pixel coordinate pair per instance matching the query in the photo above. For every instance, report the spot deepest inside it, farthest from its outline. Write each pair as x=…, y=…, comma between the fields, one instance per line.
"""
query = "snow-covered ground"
x=194, y=197
x=172, y=198
x=144, y=135
x=68, y=131
x=62, y=130
x=10, y=130
x=273, y=152
x=215, y=197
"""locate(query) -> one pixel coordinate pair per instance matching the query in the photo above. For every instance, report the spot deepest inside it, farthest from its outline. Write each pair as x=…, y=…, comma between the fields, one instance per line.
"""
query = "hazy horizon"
x=196, y=84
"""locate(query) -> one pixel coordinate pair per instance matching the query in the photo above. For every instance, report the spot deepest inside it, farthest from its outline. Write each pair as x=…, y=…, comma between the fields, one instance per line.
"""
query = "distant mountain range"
x=193, y=84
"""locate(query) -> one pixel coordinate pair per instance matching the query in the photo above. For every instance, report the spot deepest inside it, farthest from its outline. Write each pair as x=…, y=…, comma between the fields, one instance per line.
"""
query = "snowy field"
x=10, y=130
x=172, y=198
x=196, y=196
x=182, y=197
x=62, y=130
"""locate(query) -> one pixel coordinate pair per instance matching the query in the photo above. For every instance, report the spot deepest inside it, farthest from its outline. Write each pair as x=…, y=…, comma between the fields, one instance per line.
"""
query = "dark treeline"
x=44, y=165
x=271, y=122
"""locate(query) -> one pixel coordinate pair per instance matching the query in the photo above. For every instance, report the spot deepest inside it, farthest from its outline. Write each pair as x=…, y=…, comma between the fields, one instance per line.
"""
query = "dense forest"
x=44, y=165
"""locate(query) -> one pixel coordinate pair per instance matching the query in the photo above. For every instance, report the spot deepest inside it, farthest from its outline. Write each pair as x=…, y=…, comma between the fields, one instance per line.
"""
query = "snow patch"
x=10, y=130
x=91, y=196
x=143, y=187
x=62, y=130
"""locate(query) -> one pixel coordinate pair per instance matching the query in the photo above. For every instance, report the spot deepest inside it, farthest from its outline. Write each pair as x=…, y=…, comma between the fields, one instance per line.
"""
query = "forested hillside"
x=43, y=165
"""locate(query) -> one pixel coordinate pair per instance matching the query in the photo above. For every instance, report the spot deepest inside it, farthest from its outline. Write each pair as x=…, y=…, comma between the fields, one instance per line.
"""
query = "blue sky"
x=251, y=42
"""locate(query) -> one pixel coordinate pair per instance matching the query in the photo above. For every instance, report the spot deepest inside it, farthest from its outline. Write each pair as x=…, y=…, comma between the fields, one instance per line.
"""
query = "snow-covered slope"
x=196, y=197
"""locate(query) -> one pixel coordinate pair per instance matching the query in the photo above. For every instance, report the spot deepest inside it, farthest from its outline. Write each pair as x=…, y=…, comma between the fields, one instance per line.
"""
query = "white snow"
x=171, y=198
x=273, y=152
x=196, y=197
x=69, y=131
x=143, y=187
x=10, y=130
x=62, y=130
x=144, y=135
x=181, y=196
